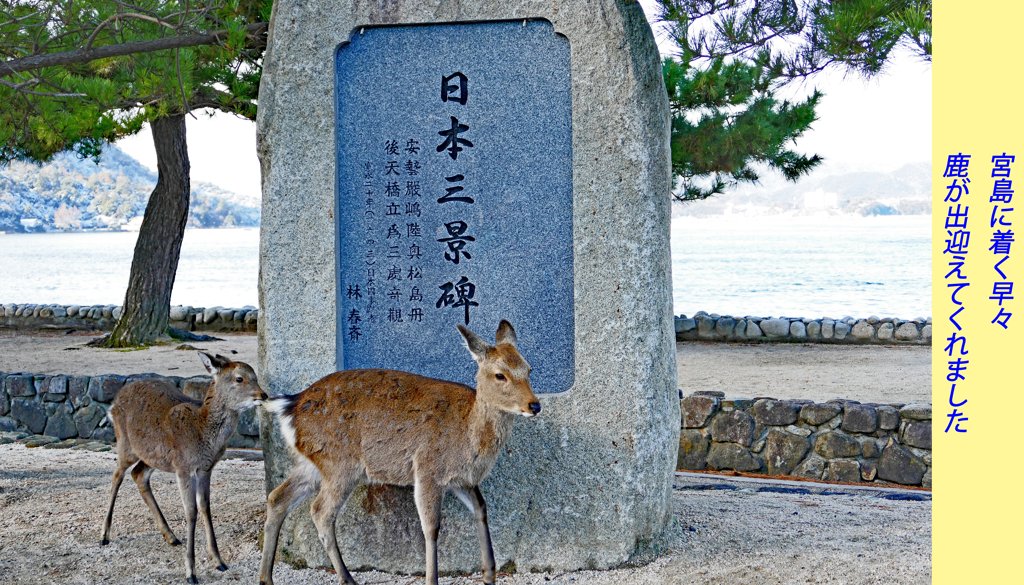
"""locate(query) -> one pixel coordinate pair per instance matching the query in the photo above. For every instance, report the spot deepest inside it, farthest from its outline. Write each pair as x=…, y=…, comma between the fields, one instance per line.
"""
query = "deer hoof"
x=222, y=567
x=192, y=579
x=104, y=542
x=177, y=542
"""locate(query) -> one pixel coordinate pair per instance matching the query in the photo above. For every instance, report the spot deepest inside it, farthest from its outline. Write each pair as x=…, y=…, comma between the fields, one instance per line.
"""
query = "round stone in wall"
x=775, y=327
x=907, y=332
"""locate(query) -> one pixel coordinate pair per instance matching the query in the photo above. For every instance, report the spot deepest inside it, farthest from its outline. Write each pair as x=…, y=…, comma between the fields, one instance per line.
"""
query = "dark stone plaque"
x=454, y=205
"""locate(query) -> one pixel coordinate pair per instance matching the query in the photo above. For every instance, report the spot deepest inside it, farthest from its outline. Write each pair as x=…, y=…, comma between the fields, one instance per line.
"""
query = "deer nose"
x=535, y=407
x=263, y=396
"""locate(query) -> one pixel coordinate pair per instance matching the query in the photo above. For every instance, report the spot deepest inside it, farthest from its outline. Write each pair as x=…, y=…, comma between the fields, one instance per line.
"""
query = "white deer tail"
x=280, y=407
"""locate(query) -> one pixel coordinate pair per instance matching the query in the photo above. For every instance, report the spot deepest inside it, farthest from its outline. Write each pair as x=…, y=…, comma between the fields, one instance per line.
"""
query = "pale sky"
x=878, y=125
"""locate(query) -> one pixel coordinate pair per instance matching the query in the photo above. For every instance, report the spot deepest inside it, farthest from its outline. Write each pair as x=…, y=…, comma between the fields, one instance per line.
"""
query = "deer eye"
x=499, y=376
x=239, y=380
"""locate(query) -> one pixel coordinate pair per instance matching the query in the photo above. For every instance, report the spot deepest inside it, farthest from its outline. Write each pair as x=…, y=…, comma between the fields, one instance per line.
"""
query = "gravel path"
x=730, y=531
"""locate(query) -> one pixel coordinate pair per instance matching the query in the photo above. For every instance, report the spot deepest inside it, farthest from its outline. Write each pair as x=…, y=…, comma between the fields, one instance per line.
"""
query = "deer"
x=158, y=427
x=376, y=426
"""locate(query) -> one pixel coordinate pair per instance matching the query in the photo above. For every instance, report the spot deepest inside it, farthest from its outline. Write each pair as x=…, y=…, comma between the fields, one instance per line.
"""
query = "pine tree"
x=78, y=74
x=735, y=55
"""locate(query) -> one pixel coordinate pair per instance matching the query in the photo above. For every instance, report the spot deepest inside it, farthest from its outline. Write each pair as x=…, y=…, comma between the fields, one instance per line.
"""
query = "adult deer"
x=158, y=427
x=388, y=427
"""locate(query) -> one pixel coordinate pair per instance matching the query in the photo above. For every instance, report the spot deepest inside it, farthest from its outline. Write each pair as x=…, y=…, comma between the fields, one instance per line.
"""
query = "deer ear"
x=214, y=364
x=506, y=334
x=476, y=346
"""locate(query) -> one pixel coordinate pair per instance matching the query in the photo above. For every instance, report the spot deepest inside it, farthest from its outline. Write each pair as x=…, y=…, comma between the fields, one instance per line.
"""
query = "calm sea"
x=803, y=266
x=772, y=266
x=217, y=267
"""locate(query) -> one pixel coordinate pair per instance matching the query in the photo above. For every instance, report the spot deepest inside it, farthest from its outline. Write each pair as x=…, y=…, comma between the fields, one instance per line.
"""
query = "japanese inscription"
x=454, y=206
x=956, y=248
x=997, y=283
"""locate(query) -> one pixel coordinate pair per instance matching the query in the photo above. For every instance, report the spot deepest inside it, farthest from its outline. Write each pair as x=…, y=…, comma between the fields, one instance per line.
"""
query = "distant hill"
x=827, y=191
x=72, y=193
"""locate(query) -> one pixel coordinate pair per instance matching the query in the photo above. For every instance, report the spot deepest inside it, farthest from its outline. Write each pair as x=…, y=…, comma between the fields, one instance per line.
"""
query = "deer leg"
x=428, y=503
x=293, y=491
x=141, y=474
x=474, y=500
x=187, y=489
x=332, y=497
x=203, y=499
x=123, y=461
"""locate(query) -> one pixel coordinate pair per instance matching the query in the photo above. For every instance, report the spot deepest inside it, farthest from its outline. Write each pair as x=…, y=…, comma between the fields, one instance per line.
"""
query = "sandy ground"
x=813, y=371
x=819, y=372
x=729, y=531
x=57, y=353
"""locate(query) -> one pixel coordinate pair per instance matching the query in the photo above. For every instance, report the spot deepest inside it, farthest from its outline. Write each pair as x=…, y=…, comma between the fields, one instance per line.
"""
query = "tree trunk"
x=148, y=301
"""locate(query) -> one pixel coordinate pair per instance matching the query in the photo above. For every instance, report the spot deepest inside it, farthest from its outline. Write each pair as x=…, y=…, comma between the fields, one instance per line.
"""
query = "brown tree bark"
x=148, y=301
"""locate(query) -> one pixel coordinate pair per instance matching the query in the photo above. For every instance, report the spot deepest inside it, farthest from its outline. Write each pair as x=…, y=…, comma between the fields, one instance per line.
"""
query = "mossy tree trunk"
x=148, y=301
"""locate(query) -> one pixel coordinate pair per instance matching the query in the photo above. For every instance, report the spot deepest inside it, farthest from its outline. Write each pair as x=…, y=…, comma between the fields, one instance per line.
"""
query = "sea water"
x=767, y=266
x=216, y=267
x=810, y=267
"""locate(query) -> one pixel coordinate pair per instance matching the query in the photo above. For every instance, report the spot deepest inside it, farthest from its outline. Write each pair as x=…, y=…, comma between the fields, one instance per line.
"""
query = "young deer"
x=388, y=427
x=158, y=427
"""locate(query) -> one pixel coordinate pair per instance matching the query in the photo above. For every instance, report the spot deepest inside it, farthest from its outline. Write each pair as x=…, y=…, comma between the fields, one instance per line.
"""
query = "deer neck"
x=489, y=428
x=219, y=419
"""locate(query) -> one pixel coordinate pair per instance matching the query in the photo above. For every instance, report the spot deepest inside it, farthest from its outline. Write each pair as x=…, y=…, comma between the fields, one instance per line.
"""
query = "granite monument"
x=430, y=164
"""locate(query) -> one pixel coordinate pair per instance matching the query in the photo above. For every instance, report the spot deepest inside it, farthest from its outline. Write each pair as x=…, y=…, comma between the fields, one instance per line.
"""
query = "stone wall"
x=840, y=440
x=68, y=407
x=103, y=317
x=701, y=327
x=715, y=327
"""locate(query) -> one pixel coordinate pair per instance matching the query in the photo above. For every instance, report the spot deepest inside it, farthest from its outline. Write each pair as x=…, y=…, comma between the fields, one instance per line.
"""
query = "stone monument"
x=463, y=162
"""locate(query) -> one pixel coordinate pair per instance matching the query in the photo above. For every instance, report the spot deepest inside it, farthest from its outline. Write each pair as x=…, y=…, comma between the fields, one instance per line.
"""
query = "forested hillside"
x=71, y=193
x=826, y=191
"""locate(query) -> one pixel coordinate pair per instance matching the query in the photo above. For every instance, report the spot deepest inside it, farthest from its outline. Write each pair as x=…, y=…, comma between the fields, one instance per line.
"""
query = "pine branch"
x=255, y=31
